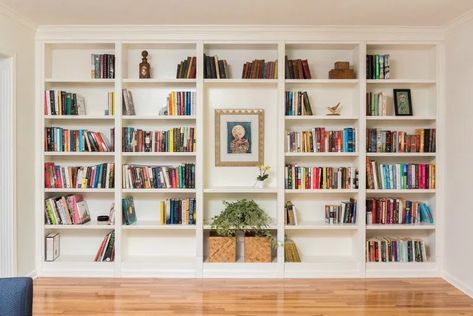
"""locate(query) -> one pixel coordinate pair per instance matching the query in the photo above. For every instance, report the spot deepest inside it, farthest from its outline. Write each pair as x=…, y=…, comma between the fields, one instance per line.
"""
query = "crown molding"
x=237, y=32
x=461, y=19
x=9, y=12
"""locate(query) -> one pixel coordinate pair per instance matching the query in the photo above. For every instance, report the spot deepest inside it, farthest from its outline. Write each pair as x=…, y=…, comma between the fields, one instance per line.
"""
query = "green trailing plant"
x=242, y=215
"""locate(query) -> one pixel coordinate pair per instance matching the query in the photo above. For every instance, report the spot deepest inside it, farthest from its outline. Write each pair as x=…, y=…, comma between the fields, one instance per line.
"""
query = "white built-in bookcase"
x=150, y=249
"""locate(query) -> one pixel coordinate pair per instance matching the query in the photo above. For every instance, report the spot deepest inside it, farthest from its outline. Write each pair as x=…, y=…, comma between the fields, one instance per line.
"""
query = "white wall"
x=17, y=39
x=459, y=152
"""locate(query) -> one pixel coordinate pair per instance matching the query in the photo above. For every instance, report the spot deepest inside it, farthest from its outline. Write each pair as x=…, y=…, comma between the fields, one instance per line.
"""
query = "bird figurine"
x=334, y=110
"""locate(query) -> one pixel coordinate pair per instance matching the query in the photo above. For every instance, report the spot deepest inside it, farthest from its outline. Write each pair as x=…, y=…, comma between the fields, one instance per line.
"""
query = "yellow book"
x=162, y=213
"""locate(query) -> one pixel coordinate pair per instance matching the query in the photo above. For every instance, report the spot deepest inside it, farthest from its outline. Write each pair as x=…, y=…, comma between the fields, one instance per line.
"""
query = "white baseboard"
x=458, y=284
x=32, y=274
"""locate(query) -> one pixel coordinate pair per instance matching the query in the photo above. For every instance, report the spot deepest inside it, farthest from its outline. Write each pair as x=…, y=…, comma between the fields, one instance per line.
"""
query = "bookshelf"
x=149, y=248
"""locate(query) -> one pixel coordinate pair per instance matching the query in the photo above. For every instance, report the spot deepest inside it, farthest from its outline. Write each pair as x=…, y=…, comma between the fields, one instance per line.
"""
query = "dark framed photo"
x=239, y=138
x=402, y=102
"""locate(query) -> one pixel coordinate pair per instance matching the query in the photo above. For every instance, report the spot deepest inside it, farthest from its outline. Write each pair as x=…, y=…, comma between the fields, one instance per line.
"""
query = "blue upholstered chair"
x=16, y=297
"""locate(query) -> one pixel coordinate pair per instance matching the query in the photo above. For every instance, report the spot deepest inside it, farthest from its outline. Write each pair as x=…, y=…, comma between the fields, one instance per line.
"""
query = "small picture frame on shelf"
x=239, y=137
x=402, y=102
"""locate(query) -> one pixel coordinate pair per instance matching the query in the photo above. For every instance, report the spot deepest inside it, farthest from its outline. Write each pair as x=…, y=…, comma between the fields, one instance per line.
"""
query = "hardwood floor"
x=68, y=296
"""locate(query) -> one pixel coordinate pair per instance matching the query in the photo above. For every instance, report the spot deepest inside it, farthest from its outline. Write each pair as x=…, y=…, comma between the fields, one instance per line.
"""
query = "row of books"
x=59, y=139
x=259, y=69
x=128, y=106
x=58, y=102
x=179, y=139
x=102, y=66
x=186, y=69
x=344, y=213
x=298, y=103
x=397, y=211
x=376, y=104
x=318, y=139
x=171, y=211
x=180, y=103
x=215, y=68
x=98, y=176
x=66, y=210
x=159, y=177
x=178, y=211
x=301, y=178
x=385, y=141
x=395, y=250
x=106, y=251
x=297, y=69
x=378, y=66
x=399, y=176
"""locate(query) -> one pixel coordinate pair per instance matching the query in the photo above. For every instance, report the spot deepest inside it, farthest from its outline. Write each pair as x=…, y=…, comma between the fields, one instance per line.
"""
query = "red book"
x=306, y=69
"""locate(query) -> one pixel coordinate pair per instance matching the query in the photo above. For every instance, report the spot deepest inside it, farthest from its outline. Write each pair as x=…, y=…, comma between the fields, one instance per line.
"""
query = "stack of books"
x=100, y=176
x=159, y=177
x=102, y=66
x=378, y=66
x=395, y=250
x=318, y=139
x=59, y=139
x=397, y=211
x=186, y=69
x=66, y=210
x=304, y=178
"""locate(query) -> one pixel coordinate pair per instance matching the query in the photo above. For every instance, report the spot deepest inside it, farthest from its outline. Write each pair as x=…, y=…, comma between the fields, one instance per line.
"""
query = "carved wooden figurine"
x=145, y=71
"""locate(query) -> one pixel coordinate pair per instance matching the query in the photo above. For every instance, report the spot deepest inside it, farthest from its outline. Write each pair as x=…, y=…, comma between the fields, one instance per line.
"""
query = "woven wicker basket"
x=222, y=249
x=258, y=249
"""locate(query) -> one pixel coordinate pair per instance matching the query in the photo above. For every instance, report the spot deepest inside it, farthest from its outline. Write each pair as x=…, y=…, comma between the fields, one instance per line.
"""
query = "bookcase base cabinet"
x=258, y=249
x=222, y=249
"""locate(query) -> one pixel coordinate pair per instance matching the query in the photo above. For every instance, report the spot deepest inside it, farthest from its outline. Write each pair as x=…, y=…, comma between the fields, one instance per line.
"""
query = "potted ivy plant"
x=245, y=216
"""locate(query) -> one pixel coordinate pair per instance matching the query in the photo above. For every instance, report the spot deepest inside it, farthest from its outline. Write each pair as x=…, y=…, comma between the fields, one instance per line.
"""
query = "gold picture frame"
x=239, y=137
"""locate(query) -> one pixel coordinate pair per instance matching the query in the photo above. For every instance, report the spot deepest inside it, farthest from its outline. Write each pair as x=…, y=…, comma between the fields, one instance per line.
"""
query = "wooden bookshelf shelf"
x=400, y=227
x=401, y=154
x=158, y=190
x=158, y=154
x=321, y=118
x=322, y=81
x=322, y=154
x=400, y=81
x=322, y=191
x=80, y=81
x=79, y=117
x=157, y=118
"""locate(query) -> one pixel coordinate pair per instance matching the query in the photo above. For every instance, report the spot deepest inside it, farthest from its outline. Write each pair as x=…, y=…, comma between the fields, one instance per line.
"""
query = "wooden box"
x=341, y=74
x=342, y=65
x=222, y=249
x=258, y=249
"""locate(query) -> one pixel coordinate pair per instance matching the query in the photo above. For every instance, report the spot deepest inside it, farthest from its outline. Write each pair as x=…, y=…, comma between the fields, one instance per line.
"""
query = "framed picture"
x=402, y=102
x=239, y=138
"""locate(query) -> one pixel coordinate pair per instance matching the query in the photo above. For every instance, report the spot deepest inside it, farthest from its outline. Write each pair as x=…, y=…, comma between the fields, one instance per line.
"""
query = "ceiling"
x=241, y=12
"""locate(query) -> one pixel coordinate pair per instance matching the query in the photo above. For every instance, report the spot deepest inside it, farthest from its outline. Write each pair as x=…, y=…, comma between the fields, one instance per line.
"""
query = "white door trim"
x=8, y=228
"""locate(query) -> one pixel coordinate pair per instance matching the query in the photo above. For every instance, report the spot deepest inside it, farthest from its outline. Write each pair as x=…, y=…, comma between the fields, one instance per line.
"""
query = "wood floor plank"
x=326, y=297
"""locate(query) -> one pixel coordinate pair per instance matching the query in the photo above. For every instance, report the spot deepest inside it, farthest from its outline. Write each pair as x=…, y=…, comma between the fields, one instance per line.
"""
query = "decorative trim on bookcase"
x=237, y=33
x=458, y=284
x=7, y=169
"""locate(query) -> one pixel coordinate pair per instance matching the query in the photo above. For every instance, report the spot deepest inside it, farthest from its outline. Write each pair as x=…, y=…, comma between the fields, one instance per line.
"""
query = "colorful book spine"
x=298, y=103
x=178, y=211
x=395, y=250
x=397, y=211
x=378, y=66
x=158, y=177
x=100, y=176
x=180, y=139
x=102, y=66
x=399, y=176
x=318, y=139
x=259, y=69
x=316, y=178
x=58, y=139
x=180, y=103
x=344, y=213
x=424, y=140
x=106, y=251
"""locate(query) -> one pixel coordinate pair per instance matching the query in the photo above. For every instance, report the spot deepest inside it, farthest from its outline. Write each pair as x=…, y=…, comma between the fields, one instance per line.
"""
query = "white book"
x=52, y=247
